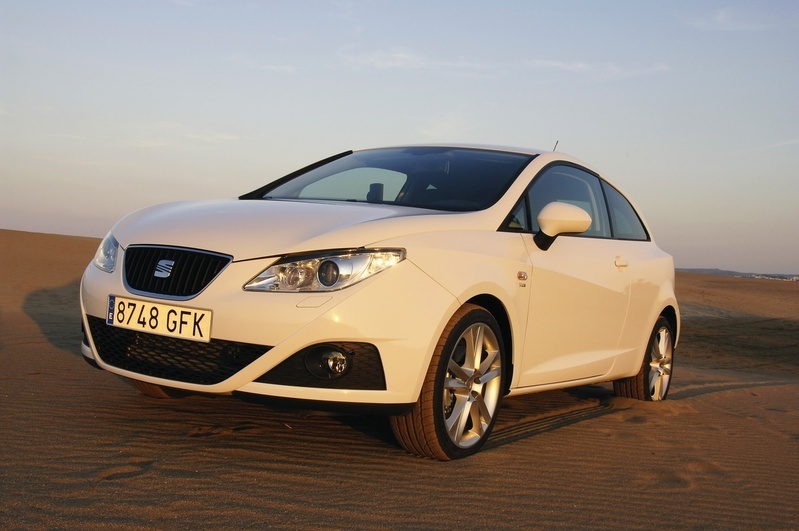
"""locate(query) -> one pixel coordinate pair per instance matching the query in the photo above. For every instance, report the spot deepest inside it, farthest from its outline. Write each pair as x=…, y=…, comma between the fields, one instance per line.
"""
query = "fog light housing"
x=328, y=362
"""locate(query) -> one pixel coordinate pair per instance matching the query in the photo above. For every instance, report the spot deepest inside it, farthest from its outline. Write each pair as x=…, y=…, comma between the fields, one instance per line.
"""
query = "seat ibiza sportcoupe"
x=423, y=282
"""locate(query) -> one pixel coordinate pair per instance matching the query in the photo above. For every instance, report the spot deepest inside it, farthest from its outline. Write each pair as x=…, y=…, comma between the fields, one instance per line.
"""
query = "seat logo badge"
x=164, y=268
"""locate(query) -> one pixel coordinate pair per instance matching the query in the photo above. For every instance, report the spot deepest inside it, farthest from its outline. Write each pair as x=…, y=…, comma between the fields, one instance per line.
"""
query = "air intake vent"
x=171, y=358
x=171, y=272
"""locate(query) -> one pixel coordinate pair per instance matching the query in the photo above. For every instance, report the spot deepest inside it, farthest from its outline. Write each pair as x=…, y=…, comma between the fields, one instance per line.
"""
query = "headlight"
x=106, y=257
x=324, y=272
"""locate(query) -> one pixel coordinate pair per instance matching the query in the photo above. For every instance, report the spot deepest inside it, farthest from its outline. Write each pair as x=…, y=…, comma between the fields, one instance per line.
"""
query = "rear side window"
x=571, y=185
x=626, y=223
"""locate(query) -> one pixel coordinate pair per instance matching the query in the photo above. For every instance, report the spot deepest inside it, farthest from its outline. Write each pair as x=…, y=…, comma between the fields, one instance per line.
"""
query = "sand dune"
x=81, y=449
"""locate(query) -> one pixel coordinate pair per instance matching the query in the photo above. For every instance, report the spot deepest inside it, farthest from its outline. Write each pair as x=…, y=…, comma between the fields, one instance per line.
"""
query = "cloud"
x=68, y=136
x=249, y=64
x=211, y=136
x=574, y=66
x=185, y=3
x=343, y=9
x=734, y=19
x=784, y=143
x=600, y=71
x=398, y=58
x=393, y=58
x=623, y=73
x=172, y=134
x=402, y=59
x=445, y=128
x=151, y=143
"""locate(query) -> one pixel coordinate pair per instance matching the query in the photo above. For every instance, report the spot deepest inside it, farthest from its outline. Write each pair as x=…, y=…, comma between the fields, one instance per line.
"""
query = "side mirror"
x=560, y=218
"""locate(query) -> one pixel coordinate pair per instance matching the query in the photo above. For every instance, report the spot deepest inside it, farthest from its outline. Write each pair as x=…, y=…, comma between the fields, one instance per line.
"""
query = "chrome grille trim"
x=192, y=272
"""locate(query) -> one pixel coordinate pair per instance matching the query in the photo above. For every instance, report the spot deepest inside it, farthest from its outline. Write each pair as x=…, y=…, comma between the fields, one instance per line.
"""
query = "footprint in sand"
x=209, y=431
x=212, y=431
x=138, y=466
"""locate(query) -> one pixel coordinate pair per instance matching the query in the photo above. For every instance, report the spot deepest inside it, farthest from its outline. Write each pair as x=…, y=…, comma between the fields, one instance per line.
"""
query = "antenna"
x=556, y=145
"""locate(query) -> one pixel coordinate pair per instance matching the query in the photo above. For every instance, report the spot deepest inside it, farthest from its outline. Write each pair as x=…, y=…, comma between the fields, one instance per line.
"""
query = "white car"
x=420, y=282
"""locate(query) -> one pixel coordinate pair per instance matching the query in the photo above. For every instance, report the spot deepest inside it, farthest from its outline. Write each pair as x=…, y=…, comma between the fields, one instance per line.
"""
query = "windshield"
x=457, y=179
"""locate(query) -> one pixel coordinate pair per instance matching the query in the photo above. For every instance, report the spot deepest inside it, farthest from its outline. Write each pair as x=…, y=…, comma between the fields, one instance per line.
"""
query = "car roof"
x=486, y=147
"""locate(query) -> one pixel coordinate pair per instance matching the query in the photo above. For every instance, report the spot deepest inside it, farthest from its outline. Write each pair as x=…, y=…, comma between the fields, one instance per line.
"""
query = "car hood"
x=254, y=228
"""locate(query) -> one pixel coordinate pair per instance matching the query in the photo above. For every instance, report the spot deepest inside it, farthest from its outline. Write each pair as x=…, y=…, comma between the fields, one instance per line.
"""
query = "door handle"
x=621, y=262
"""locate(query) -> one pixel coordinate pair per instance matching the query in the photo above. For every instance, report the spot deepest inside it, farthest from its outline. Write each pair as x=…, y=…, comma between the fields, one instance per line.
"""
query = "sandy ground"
x=81, y=449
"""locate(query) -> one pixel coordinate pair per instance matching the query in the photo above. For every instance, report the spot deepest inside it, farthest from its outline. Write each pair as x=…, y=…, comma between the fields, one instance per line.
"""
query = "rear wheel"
x=653, y=380
x=462, y=391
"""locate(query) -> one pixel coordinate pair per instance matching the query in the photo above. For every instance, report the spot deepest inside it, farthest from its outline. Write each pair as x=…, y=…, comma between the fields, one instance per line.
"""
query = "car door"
x=580, y=286
x=646, y=263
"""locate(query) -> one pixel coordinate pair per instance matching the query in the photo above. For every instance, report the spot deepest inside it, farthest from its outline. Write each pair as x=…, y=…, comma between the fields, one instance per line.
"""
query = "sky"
x=690, y=107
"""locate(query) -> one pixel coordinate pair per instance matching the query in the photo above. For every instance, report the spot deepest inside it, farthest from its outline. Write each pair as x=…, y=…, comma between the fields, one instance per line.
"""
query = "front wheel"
x=462, y=392
x=653, y=379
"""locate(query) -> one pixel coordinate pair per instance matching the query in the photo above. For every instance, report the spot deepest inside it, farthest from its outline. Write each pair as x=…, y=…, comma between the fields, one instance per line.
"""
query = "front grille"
x=170, y=358
x=182, y=273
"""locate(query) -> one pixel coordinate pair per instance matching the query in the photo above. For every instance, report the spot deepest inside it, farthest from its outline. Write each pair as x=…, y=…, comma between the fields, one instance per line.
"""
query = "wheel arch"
x=670, y=313
x=495, y=307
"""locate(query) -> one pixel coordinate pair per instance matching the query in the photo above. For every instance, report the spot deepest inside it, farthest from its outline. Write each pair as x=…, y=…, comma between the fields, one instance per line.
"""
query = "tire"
x=654, y=378
x=462, y=391
x=155, y=391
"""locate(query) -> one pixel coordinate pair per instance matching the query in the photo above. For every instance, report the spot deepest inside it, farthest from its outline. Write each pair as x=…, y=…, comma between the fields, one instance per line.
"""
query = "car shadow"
x=57, y=313
x=519, y=417
x=522, y=417
x=687, y=391
x=529, y=415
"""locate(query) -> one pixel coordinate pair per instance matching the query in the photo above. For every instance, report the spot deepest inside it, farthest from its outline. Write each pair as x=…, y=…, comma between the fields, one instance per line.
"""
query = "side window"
x=626, y=223
x=358, y=184
x=574, y=186
x=517, y=220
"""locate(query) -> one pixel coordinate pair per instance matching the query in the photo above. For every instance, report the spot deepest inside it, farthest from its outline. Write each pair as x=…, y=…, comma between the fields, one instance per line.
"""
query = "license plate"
x=162, y=319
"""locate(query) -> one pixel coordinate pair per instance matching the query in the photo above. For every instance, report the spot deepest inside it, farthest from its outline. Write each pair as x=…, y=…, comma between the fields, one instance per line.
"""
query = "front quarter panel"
x=475, y=263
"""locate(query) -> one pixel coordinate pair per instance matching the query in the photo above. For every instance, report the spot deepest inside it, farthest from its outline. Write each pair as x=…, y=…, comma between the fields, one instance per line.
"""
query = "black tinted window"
x=626, y=223
x=456, y=179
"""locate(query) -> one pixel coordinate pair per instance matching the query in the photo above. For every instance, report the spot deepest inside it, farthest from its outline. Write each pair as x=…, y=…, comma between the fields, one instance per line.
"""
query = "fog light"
x=336, y=362
x=327, y=362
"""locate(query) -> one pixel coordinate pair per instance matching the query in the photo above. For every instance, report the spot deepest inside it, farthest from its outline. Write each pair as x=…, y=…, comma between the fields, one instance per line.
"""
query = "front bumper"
x=398, y=314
